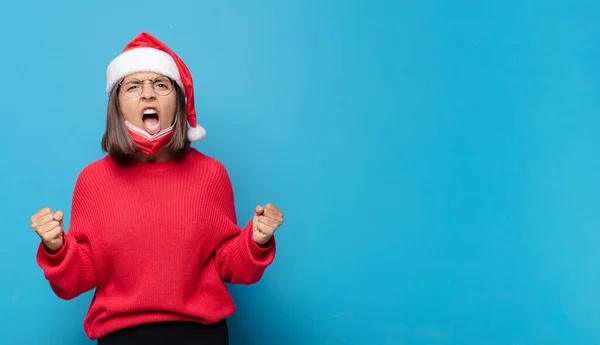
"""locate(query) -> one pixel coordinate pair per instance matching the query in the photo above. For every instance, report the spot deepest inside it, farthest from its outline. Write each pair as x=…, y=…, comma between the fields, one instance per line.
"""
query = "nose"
x=147, y=91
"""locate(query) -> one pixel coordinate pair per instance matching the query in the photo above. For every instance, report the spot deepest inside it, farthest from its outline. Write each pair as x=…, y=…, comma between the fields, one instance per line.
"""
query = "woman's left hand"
x=266, y=220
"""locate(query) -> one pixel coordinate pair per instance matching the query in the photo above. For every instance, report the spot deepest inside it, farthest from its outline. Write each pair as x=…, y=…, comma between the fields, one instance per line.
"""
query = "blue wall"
x=437, y=160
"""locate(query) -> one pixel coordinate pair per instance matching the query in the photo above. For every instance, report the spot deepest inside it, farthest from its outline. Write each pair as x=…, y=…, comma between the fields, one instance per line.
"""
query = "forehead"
x=142, y=76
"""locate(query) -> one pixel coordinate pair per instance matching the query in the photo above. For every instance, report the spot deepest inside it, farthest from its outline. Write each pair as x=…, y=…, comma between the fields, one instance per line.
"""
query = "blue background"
x=437, y=161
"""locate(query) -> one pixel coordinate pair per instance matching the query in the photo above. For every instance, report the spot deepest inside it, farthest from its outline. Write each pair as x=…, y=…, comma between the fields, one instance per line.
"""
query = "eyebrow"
x=137, y=81
x=131, y=81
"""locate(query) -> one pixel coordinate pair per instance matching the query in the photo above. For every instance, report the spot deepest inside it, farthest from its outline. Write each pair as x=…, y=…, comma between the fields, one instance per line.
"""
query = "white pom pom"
x=196, y=133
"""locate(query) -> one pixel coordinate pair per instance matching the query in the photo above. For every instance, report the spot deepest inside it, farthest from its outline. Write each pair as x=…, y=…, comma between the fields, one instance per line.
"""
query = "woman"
x=153, y=227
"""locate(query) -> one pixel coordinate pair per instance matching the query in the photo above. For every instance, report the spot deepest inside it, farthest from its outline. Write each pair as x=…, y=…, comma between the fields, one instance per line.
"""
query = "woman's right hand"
x=49, y=226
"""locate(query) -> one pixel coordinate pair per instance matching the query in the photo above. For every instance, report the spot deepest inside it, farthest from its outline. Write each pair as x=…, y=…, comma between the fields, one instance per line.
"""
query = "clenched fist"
x=49, y=226
x=266, y=220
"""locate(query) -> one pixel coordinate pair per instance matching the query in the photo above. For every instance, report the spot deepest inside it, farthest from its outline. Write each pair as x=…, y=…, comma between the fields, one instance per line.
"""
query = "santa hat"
x=147, y=54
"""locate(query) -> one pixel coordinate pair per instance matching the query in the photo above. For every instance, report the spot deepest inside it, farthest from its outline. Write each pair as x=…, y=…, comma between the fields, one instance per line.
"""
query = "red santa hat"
x=147, y=54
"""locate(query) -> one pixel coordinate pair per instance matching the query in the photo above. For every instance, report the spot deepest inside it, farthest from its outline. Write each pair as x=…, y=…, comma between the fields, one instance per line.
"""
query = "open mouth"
x=151, y=121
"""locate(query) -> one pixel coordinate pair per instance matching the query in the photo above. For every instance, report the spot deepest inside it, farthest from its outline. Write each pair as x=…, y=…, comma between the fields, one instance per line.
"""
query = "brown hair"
x=117, y=142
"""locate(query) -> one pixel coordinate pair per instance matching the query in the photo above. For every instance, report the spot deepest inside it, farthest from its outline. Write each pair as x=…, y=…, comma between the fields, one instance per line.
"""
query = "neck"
x=161, y=156
x=157, y=158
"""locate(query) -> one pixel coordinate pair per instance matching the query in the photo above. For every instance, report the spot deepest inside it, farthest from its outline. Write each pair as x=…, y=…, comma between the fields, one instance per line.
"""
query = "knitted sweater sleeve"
x=239, y=258
x=70, y=271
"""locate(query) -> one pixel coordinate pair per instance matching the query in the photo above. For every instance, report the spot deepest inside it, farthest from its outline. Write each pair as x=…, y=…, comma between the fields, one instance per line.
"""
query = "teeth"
x=149, y=111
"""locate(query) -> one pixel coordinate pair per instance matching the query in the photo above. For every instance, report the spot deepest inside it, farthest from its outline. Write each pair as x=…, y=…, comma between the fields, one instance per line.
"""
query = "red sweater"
x=157, y=241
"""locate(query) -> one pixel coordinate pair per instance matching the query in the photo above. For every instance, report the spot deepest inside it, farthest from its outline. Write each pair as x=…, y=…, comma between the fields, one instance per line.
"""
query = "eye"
x=162, y=84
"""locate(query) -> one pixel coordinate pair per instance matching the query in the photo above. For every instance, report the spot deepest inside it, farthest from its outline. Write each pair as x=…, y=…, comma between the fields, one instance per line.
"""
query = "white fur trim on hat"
x=196, y=133
x=141, y=60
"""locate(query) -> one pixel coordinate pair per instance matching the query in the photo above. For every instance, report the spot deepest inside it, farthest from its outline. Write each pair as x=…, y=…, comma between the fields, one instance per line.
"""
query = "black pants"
x=170, y=333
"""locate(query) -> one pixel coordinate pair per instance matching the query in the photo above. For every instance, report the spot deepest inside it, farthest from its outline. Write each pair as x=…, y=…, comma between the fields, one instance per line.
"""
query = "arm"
x=239, y=258
x=70, y=270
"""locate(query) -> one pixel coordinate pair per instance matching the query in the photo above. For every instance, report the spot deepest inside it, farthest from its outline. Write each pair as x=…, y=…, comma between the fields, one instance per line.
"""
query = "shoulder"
x=211, y=171
x=206, y=163
x=94, y=172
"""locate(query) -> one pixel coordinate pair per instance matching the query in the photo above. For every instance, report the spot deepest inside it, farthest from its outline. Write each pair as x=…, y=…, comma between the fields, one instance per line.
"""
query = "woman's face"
x=144, y=107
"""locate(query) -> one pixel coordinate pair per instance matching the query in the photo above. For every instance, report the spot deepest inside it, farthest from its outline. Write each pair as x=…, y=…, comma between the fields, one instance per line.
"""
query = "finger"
x=265, y=229
x=258, y=210
x=52, y=234
x=273, y=214
x=48, y=227
x=44, y=211
x=58, y=216
x=277, y=221
x=277, y=216
x=271, y=207
x=42, y=220
x=268, y=221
